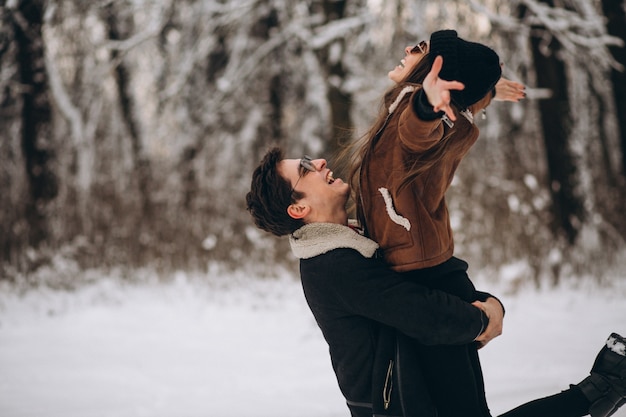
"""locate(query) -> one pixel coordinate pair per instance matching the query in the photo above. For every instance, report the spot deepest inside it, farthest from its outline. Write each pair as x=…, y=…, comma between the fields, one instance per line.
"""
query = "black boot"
x=605, y=388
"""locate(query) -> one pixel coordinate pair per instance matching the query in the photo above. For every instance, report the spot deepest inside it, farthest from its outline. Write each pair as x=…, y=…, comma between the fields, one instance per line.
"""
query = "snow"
x=616, y=345
x=243, y=347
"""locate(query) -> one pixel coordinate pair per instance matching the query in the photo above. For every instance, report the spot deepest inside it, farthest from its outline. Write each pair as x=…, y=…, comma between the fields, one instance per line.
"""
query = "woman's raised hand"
x=438, y=90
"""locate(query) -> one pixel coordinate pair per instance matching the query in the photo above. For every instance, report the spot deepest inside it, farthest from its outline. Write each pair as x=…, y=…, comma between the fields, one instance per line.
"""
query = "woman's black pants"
x=454, y=375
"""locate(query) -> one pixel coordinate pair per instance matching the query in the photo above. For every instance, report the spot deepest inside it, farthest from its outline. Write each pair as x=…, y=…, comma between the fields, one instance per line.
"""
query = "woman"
x=406, y=164
x=400, y=174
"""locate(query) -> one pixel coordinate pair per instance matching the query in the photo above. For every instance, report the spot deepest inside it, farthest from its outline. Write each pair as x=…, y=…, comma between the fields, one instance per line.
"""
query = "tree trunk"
x=339, y=100
x=12, y=172
x=567, y=207
x=119, y=28
x=616, y=26
x=36, y=134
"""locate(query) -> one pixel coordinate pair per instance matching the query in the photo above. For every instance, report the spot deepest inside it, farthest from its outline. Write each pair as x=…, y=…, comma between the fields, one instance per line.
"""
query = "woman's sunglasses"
x=421, y=47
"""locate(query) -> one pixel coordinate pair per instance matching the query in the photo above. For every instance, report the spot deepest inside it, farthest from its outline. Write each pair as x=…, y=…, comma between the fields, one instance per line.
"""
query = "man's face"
x=322, y=192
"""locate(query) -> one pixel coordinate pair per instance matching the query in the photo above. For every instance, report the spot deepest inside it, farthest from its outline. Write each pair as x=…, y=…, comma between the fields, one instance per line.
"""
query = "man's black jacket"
x=363, y=309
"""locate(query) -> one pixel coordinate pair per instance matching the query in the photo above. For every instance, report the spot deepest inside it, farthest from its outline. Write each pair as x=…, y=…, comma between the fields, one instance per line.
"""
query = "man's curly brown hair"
x=269, y=196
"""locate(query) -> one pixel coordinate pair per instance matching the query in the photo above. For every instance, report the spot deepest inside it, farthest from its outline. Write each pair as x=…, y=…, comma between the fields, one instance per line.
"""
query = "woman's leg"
x=455, y=381
x=601, y=394
x=452, y=372
x=570, y=403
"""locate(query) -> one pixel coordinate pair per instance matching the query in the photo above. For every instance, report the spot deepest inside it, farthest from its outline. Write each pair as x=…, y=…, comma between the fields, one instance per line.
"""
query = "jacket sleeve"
x=420, y=127
x=419, y=132
x=482, y=296
x=367, y=287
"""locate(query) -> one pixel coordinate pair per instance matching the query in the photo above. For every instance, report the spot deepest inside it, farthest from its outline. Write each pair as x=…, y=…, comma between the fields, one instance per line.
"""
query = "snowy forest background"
x=129, y=128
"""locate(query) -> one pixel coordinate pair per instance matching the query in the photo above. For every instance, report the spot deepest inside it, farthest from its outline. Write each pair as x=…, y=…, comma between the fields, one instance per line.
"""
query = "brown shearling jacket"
x=412, y=224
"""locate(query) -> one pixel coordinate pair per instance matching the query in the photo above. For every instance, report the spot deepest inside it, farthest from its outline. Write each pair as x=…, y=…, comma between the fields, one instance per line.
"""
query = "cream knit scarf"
x=317, y=238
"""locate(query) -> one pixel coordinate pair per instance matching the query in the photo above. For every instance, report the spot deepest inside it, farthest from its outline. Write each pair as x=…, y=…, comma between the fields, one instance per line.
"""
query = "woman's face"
x=412, y=55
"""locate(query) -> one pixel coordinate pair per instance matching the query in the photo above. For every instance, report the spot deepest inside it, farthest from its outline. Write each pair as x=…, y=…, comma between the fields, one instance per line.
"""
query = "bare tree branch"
x=576, y=32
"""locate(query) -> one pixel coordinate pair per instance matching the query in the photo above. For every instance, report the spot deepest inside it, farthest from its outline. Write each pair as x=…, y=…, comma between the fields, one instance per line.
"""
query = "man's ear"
x=298, y=211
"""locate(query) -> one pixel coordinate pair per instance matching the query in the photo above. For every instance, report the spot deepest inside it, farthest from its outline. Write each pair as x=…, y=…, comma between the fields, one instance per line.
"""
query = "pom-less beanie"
x=475, y=65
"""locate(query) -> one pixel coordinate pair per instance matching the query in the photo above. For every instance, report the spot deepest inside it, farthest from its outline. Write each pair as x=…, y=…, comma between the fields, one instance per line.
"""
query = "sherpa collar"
x=315, y=239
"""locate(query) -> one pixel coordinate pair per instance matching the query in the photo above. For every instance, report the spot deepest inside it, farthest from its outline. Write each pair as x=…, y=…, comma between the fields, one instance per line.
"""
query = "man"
x=371, y=317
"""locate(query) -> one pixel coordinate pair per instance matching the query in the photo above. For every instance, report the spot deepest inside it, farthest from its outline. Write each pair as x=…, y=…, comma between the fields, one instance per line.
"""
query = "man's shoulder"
x=340, y=263
x=338, y=270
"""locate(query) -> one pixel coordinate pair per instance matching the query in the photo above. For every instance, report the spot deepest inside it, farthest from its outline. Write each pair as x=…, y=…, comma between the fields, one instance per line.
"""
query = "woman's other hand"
x=507, y=90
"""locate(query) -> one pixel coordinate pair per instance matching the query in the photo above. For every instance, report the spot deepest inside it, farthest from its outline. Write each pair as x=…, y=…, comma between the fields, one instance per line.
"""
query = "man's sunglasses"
x=421, y=47
x=306, y=165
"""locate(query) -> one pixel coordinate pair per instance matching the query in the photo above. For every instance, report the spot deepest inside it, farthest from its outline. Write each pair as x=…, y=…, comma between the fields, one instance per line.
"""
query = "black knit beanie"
x=475, y=65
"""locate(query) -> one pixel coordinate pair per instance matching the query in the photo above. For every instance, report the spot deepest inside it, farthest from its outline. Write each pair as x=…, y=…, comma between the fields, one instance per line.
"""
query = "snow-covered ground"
x=237, y=347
